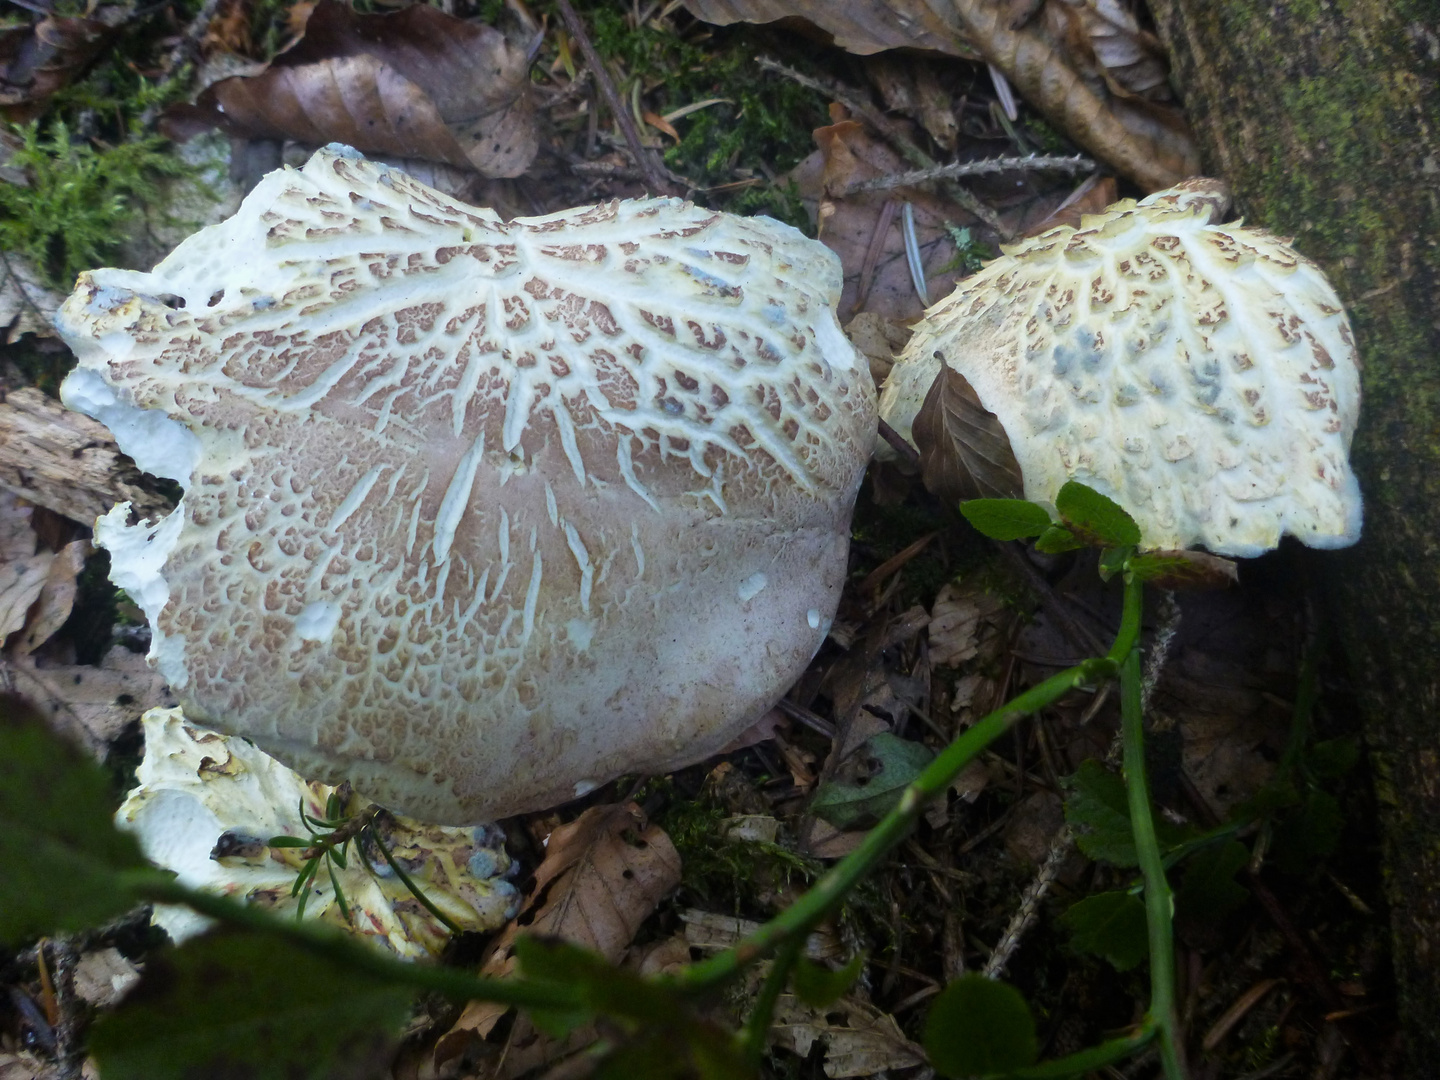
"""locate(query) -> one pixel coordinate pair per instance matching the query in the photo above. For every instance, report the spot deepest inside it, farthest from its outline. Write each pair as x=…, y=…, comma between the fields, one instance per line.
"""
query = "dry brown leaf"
x=413, y=84
x=56, y=598
x=36, y=61
x=103, y=976
x=27, y=306
x=858, y=26
x=20, y=585
x=1084, y=64
x=964, y=451
x=91, y=705
x=229, y=30
x=1092, y=196
x=602, y=876
x=859, y=1039
x=956, y=622
x=17, y=537
x=880, y=340
x=848, y=222
x=1148, y=142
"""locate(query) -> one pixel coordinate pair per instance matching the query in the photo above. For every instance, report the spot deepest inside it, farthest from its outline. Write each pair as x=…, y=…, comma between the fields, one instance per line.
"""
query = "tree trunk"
x=1323, y=116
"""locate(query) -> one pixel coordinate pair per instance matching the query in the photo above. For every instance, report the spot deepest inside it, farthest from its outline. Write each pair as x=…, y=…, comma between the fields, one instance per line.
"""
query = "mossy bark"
x=1324, y=115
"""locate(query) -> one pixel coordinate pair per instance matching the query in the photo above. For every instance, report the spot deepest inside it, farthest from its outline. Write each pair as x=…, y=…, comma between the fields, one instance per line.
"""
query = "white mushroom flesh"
x=1204, y=376
x=478, y=511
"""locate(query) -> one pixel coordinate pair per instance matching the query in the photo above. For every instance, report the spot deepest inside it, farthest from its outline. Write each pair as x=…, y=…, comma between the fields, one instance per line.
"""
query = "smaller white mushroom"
x=207, y=804
x=1202, y=375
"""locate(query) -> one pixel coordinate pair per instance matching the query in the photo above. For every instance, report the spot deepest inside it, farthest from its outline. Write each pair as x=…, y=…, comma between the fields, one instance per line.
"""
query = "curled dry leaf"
x=1148, y=142
x=602, y=876
x=964, y=451
x=56, y=598
x=36, y=61
x=413, y=84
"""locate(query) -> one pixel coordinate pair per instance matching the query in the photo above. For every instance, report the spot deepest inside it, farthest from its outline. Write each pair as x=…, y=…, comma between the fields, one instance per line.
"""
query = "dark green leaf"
x=1208, y=891
x=1056, y=539
x=1184, y=570
x=1099, y=807
x=59, y=846
x=241, y=1003
x=1112, y=925
x=978, y=1026
x=1006, y=519
x=1095, y=518
x=817, y=985
x=290, y=841
x=870, y=782
x=1333, y=758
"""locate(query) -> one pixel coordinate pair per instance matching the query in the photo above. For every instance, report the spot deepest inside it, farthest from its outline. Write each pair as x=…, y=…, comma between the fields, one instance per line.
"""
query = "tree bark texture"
x=1324, y=115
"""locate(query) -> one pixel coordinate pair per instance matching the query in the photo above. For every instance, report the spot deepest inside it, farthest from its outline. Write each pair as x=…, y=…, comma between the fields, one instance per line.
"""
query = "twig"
x=1074, y=163
x=654, y=179
x=1029, y=904
x=896, y=135
x=899, y=445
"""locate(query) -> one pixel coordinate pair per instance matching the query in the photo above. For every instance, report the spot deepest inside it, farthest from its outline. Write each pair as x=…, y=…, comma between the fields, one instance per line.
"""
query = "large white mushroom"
x=478, y=514
x=1202, y=375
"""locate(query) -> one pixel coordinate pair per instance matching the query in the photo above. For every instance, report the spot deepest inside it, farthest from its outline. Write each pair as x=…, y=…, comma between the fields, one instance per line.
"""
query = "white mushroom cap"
x=206, y=806
x=480, y=515
x=1203, y=376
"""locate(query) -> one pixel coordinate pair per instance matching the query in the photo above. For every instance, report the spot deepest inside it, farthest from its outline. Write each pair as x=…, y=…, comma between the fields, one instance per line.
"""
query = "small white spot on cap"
x=579, y=632
x=813, y=618
x=318, y=621
x=751, y=587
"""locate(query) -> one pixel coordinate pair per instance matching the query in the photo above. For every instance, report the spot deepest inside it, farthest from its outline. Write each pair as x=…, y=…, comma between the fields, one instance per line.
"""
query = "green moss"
x=79, y=201
x=763, y=126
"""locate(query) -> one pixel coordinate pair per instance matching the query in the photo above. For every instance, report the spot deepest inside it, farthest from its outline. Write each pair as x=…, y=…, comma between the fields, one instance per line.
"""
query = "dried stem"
x=655, y=180
x=894, y=133
x=1075, y=163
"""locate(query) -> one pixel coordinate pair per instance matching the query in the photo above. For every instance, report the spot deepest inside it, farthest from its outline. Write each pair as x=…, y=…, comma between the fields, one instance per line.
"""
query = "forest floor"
x=1281, y=927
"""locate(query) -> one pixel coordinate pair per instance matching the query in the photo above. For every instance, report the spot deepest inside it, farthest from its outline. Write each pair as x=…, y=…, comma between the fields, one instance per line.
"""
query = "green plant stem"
x=1089, y=1059
x=826, y=894
x=425, y=901
x=757, y=1024
x=157, y=887
x=1158, y=902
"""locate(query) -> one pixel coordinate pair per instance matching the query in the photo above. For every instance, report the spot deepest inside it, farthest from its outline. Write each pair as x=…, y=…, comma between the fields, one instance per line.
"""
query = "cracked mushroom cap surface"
x=479, y=515
x=1202, y=375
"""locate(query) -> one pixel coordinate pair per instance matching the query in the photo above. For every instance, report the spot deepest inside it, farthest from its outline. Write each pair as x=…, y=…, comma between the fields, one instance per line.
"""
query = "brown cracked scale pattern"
x=489, y=513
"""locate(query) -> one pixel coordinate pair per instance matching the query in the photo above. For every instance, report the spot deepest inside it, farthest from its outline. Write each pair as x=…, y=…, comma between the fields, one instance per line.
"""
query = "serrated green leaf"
x=1099, y=807
x=1056, y=539
x=1094, y=518
x=59, y=847
x=243, y=1003
x=889, y=764
x=817, y=985
x=1006, y=519
x=1110, y=925
x=1208, y=890
x=978, y=1026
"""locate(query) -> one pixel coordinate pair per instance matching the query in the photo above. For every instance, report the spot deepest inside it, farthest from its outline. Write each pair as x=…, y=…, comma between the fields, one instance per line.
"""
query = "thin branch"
x=1074, y=163
x=654, y=178
x=894, y=133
